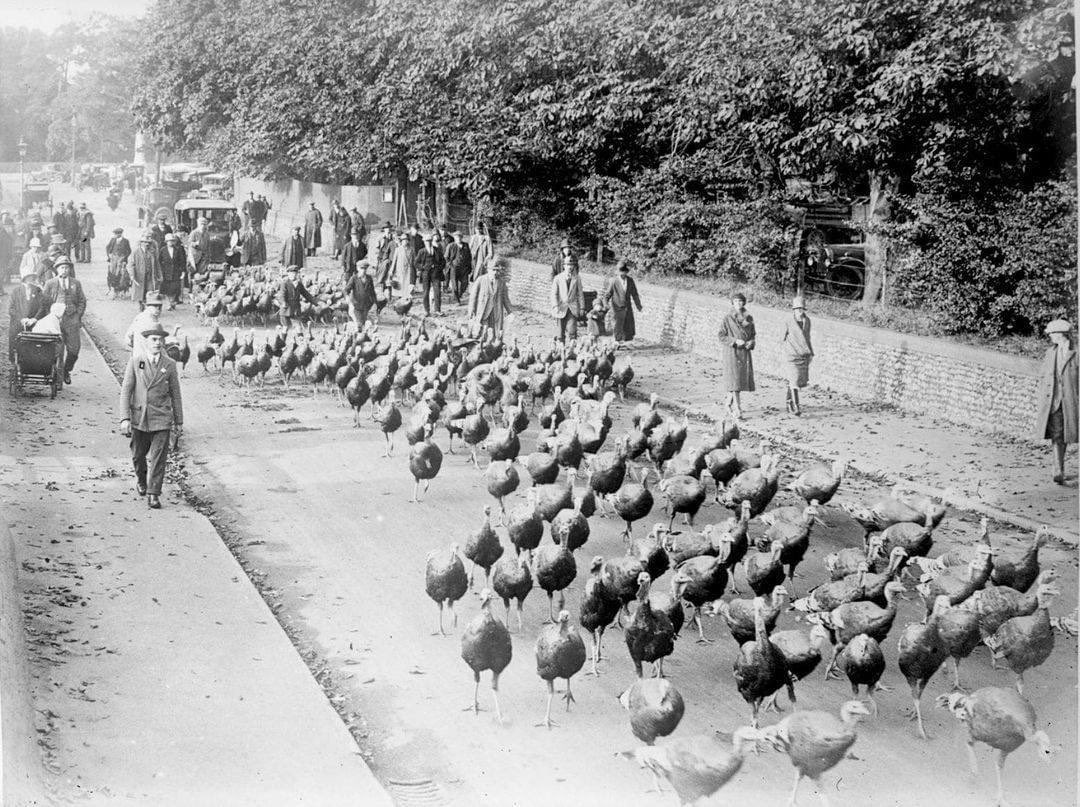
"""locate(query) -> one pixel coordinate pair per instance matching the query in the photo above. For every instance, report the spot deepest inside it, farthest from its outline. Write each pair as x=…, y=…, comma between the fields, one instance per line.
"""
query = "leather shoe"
x=67, y=378
x=153, y=502
x=141, y=488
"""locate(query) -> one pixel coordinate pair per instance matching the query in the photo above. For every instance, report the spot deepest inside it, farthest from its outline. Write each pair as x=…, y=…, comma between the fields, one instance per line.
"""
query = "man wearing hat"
x=312, y=229
x=33, y=258
x=118, y=250
x=360, y=292
x=352, y=252
x=25, y=304
x=149, y=317
x=145, y=269
x=458, y=265
x=1057, y=395
x=384, y=251
x=356, y=219
x=567, y=300
x=566, y=256
x=621, y=295
x=66, y=289
x=160, y=229
x=253, y=247
x=292, y=290
x=199, y=246
x=151, y=407
x=797, y=352
x=83, y=250
x=481, y=250
x=341, y=224
x=292, y=251
x=430, y=269
x=173, y=261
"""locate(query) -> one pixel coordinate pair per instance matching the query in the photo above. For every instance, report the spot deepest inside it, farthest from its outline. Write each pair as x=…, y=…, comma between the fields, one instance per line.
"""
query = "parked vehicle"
x=217, y=212
x=829, y=248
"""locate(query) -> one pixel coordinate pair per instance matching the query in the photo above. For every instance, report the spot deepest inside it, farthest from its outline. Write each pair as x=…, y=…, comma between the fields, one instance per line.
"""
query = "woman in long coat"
x=1057, y=396
x=798, y=353
x=489, y=299
x=736, y=336
x=621, y=295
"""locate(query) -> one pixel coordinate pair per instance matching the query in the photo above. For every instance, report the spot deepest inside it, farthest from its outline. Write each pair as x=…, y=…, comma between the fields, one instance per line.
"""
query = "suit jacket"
x=292, y=251
x=73, y=298
x=430, y=264
x=24, y=306
x=119, y=248
x=360, y=288
x=352, y=255
x=199, y=249
x=567, y=295
x=172, y=269
x=145, y=271
x=159, y=233
x=459, y=260
x=621, y=293
x=150, y=395
x=290, y=297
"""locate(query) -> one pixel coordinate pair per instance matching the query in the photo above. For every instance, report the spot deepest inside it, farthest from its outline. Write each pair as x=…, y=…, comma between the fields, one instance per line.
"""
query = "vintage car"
x=218, y=214
x=828, y=247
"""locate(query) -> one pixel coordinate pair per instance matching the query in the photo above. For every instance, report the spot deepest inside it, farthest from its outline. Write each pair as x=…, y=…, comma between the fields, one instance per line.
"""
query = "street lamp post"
x=22, y=180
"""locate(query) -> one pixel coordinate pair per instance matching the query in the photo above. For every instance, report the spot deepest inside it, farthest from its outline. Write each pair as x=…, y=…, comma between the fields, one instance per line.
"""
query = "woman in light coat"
x=1057, y=396
x=798, y=353
x=737, y=339
x=489, y=299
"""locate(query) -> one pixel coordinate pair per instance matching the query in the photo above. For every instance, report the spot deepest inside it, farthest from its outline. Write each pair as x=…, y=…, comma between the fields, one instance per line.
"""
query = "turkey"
x=827, y=596
x=607, y=470
x=501, y=479
x=816, y=741
x=957, y=587
x=665, y=441
x=685, y=494
x=1019, y=570
x=681, y=546
x=794, y=538
x=543, y=467
x=445, y=580
x=819, y=482
x=645, y=416
x=699, y=581
x=995, y=605
x=512, y=580
x=555, y=570
x=525, y=526
x=852, y=559
x=649, y=550
x=570, y=527
x=863, y=663
x=483, y=548
x=1002, y=719
x=550, y=499
x=916, y=539
x=655, y=708
x=760, y=669
x=959, y=630
x=650, y=636
x=802, y=653
x=721, y=436
x=755, y=485
x=960, y=556
x=389, y=420
x=560, y=653
x=921, y=653
x=738, y=614
x=738, y=531
x=1024, y=642
x=632, y=502
x=764, y=570
x=698, y=766
x=485, y=645
x=425, y=460
x=885, y=511
x=474, y=430
x=847, y=621
x=723, y=466
x=599, y=608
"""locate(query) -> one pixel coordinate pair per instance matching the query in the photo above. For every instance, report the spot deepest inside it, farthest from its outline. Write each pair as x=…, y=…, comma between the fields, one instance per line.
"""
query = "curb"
x=21, y=765
x=951, y=498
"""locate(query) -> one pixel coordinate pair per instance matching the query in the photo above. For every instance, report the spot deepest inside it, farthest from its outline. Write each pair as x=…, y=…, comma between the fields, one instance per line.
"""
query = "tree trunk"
x=882, y=189
x=442, y=203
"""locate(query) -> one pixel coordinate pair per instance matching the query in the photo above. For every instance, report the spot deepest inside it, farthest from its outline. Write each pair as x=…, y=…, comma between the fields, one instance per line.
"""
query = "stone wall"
x=984, y=389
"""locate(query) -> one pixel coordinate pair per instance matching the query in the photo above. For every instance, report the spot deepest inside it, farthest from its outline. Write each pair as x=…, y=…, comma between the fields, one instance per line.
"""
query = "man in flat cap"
x=292, y=251
x=145, y=269
x=118, y=251
x=1057, y=396
x=352, y=252
x=150, y=408
x=83, y=249
x=66, y=289
x=292, y=291
x=313, y=222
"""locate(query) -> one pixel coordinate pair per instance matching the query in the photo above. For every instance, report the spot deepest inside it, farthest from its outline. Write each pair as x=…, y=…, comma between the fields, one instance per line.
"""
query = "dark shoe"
x=140, y=487
x=67, y=377
x=153, y=502
x=1059, y=479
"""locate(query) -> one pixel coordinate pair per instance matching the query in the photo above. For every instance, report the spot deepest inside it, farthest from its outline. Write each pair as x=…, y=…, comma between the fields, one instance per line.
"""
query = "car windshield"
x=218, y=218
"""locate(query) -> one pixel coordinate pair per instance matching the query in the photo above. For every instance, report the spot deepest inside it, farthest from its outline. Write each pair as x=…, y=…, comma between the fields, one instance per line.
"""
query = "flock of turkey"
x=486, y=393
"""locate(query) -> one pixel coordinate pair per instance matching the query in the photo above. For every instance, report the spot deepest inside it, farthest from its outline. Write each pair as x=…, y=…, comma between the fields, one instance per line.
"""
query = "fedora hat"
x=798, y=302
x=154, y=299
x=157, y=330
x=1058, y=326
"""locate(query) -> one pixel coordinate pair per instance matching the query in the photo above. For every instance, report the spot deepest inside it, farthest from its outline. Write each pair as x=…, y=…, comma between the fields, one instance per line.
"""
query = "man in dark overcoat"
x=458, y=265
x=66, y=289
x=352, y=253
x=292, y=291
x=173, y=260
x=430, y=269
x=292, y=251
x=313, y=221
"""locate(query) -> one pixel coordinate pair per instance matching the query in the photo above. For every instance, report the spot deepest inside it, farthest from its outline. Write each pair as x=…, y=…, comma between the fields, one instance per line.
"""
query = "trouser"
x=567, y=327
x=461, y=283
x=285, y=320
x=149, y=450
x=310, y=252
x=432, y=288
x=83, y=251
x=69, y=331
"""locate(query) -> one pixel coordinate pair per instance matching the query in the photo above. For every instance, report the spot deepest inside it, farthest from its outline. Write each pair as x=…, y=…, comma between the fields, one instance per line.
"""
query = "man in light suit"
x=151, y=407
x=567, y=301
x=67, y=290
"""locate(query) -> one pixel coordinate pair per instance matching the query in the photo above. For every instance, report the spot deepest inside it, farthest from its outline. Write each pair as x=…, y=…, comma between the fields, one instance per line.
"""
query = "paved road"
x=323, y=522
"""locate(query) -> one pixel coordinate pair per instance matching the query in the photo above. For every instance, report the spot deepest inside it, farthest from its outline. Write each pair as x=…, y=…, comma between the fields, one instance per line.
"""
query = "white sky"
x=50, y=14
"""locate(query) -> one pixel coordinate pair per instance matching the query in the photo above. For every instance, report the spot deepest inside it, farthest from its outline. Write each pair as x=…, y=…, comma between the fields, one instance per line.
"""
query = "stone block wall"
x=987, y=390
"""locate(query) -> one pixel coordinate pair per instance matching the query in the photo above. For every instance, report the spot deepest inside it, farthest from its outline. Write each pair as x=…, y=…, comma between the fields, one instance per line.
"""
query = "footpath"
x=1005, y=479
x=157, y=675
